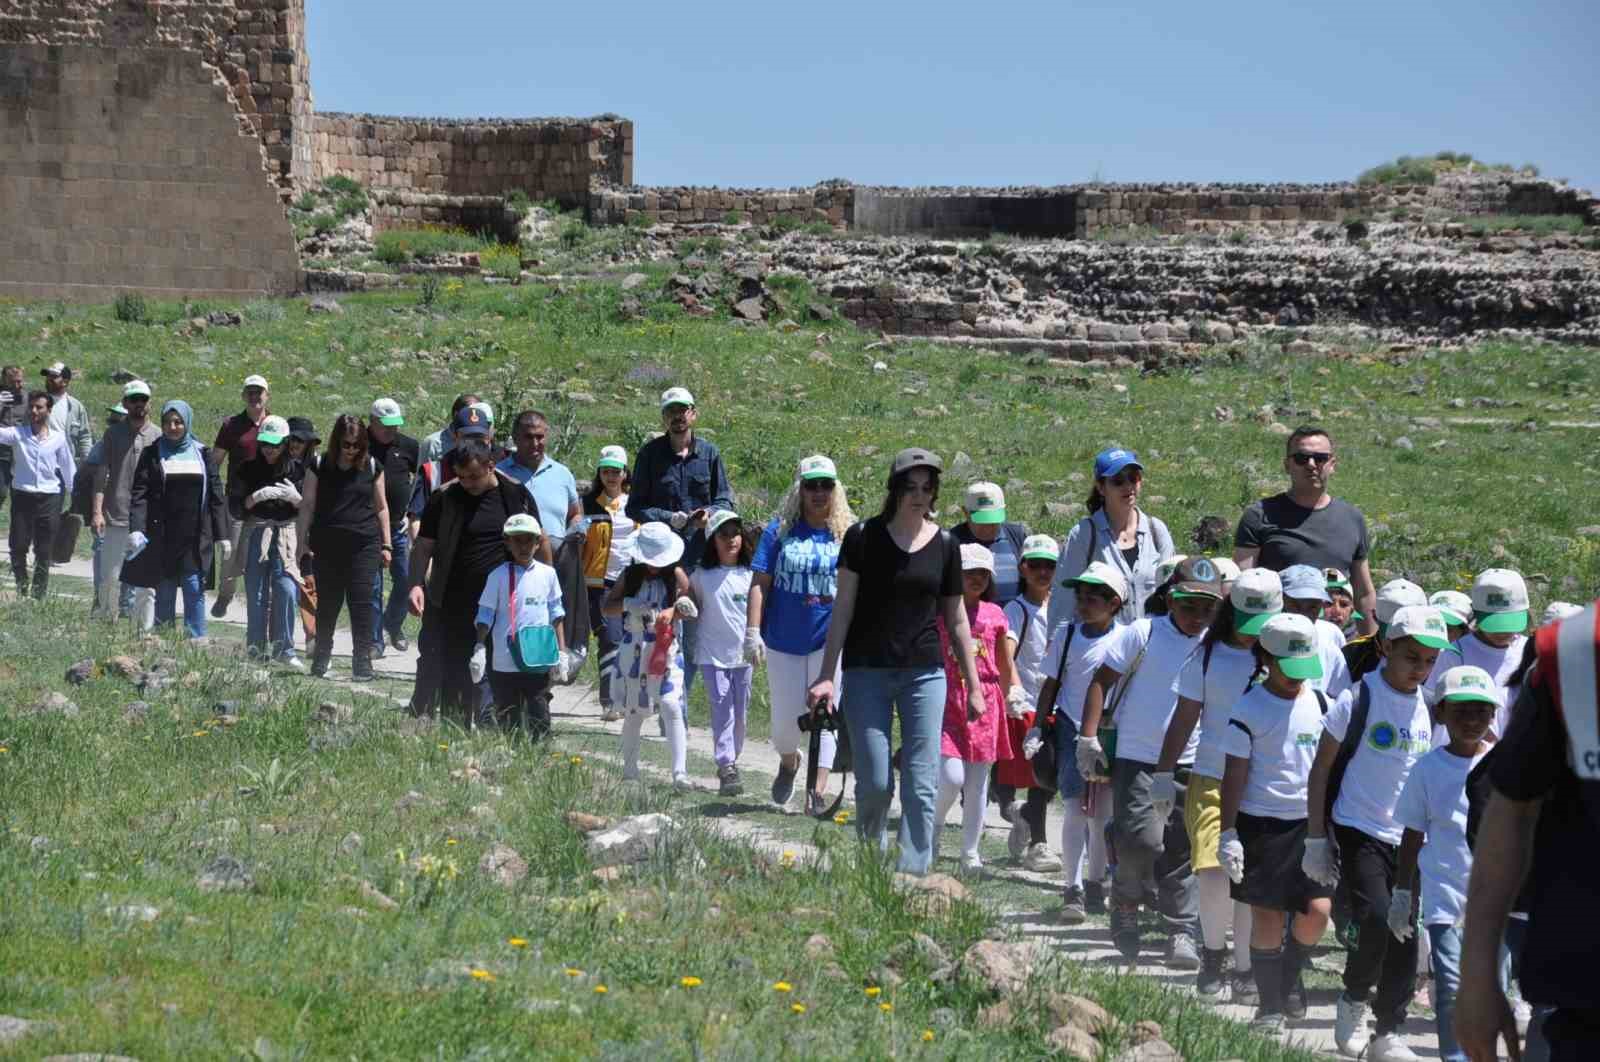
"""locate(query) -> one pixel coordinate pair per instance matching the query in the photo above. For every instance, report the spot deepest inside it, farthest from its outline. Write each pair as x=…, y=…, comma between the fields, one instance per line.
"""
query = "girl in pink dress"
x=969, y=744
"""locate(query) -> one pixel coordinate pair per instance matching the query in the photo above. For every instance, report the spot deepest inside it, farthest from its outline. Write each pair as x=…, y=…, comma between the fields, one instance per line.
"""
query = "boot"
x=1210, y=980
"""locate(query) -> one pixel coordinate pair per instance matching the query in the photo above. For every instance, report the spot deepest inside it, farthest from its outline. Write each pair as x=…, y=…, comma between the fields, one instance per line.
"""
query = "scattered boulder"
x=819, y=948
x=80, y=672
x=933, y=895
x=1073, y=1042
x=920, y=948
x=224, y=319
x=135, y=712
x=13, y=1029
x=55, y=704
x=1079, y=1011
x=225, y=874
x=1000, y=967
x=750, y=309
x=503, y=864
x=584, y=822
x=632, y=840
x=324, y=304
x=333, y=713
x=634, y=280
x=1147, y=1030
x=351, y=843
x=133, y=912
x=124, y=667
x=1149, y=1051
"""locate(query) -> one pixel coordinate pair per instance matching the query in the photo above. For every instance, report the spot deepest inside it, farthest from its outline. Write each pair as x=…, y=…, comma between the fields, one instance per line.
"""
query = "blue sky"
x=1004, y=92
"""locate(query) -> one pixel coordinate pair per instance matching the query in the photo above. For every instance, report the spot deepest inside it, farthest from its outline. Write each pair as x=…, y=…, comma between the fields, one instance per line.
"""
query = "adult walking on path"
x=1307, y=525
x=986, y=525
x=264, y=497
x=679, y=479
x=898, y=573
x=791, y=605
x=13, y=414
x=460, y=540
x=177, y=518
x=44, y=471
x=398, y=456
x=68, y=416
x=236, y=444
x=441, y=442
x=1117, y=533
x=555, y=498
x=343, y=526
x=121, y=448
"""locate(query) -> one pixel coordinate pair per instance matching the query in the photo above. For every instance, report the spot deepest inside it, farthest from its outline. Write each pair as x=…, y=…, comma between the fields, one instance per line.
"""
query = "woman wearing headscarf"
x=264, y=494
x=1116, y=532
x=177, y=511
x=343, y=527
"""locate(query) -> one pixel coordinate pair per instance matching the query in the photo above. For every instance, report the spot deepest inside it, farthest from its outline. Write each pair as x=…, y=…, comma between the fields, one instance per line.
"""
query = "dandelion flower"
x=601, y=990
x=873, y=992
x=443, y=747
x=573, y=971
x=927, y=1036
x=576, y=761
x=518, y=942
x=841, y=819
x=782, y=986
x=886, y=1007
x=482, y=975
x=199, y=733
x=450, y=841
x=797, y=1008
x=690, y=982
x=4, y=749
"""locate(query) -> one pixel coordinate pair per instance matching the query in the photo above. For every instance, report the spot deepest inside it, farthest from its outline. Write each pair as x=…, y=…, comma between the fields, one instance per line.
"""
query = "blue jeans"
x=271, y=598
x=194, y=603
x=1446, y=942
x=871, y=695
x=393, y=617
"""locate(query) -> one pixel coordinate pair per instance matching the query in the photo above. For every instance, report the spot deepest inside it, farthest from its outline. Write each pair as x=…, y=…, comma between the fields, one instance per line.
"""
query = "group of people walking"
x=1253, y=744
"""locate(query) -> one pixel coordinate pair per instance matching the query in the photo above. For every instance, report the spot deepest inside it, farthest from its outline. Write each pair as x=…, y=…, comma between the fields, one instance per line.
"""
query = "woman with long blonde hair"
x=791, y=604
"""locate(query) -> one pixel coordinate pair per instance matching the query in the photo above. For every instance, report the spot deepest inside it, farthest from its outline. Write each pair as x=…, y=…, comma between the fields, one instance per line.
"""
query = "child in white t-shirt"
x=1365, y=839
x=1433, y=810
x=1028, y=625
x=721, y=589
x=521, y=593
x=1496, y=642
x=1270, y=743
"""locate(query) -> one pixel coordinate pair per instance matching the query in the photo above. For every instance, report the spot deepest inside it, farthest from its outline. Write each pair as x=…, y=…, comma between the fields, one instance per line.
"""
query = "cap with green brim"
x=1467, y=683
x=273, y=431
x=985, y=503
x=1040, y=547
x=1099, y=573
x=1422, y=623
x=1456, y=606
x=1256, y=596
x=1500, y=601
x=613, y=457
x=1503, y=622
x=117, y=409
x=1291, y=640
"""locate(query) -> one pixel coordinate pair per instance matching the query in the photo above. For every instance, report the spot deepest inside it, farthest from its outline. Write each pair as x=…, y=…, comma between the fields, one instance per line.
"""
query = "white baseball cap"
x=1257, y=596
x=521, y=524
x=1559, y=610
x=1456, y=606
x=817, y=467
x=985, y=503
x=657, y=545
x=1467, y=683
x=613, y=457
x=717, y=518
x=273, y=431
x=676, y=396
x=1397, y=594
x=256, y=381
x=1040, y=547
x=1228, y=570
x=1422, y=622
x=387, y=411
x=1165, y=569
x=55, y=368
x=1291, y=639
x=1500, y=598
x=975, y=558
x=136, y=389
x=1101, y=574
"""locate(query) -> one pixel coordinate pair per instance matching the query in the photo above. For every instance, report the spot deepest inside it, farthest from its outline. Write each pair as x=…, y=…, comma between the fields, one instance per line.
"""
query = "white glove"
x=685, y=608
x=1032, y=742
x=1089, y=754
x=479, y=663
x=1400, y=923
x=755, y=650
x=289, y=492
x=224, y=549
x=678, y=520
x=563, y=668
x=1230, y=853
x=265, y=494
x=1163, y=793
x=1318, y=862
x=136, y=544
x=1017, y=702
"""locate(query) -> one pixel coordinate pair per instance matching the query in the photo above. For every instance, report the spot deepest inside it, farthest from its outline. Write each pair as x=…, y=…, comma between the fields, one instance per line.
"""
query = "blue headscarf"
x=189, y=445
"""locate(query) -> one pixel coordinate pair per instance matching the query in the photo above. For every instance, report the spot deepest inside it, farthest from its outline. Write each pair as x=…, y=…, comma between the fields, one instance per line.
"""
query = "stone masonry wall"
x=258, y=45
x=552, y=158
x=132, y=168
x=613, y=205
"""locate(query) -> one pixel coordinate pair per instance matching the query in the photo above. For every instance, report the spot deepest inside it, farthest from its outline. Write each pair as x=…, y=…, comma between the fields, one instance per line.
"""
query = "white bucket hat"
x=657, y=545
x=976, y=558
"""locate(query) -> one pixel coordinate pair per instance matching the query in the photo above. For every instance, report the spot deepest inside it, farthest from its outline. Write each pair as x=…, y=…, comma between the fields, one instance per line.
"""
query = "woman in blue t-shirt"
x=791, y=602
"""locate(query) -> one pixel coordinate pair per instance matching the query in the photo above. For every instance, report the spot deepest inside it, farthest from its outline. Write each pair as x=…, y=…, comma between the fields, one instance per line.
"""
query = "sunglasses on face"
x=820, y=486
x=1306, y=457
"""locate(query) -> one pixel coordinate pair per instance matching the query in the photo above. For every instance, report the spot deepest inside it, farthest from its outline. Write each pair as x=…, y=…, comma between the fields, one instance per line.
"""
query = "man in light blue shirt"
x=555, y=499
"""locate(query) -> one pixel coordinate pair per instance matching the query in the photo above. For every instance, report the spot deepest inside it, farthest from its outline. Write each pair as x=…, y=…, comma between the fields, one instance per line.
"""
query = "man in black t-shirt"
x=398, y=455
x=459, y=541
x=1307, y=525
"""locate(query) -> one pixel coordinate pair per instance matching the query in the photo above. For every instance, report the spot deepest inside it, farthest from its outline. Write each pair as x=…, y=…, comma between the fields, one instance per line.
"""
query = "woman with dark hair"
x=608, y=542
x=898, y=573
x=344, y=523
x=1116, y=532
x=264, y=495
x=177, y=512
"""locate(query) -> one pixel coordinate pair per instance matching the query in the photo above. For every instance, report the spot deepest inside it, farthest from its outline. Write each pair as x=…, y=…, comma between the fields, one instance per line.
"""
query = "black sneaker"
x=783, y=785
x=1294, y=994
x=319, y=668
x=219, y=607
x=399, y=641
x=363, y=674
x=1245, y=993
x=1094, y=897
x=728, y=783
x=1210, y=981
x=1125, y=931
x=1072, y=912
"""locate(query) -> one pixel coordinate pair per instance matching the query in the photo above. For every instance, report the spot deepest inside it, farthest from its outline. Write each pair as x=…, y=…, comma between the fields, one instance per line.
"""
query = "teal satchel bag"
x=532, y=648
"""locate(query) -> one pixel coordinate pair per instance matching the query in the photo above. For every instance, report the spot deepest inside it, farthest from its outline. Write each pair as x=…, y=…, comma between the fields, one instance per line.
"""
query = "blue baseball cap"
x=1114, y=459
x=472, y=421
x=1305, y=583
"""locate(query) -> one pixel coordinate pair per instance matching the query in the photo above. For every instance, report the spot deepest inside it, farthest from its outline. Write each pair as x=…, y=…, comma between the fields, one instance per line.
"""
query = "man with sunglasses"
x=108, y=513
x=1307, y=525
x=13, y=414
x=236, y=440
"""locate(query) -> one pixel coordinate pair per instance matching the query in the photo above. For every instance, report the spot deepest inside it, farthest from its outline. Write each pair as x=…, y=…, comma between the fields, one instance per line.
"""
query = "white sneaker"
x=1350, y=1028
x=1041, y=860
x=971, y=865
x=681, y=783
x=1522, y=1010
x=1017, y=839
x=293, y=663
x=1390, y=1047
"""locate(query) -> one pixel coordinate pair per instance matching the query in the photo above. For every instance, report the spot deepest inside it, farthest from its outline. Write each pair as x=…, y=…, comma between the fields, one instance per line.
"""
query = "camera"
x=826, y=718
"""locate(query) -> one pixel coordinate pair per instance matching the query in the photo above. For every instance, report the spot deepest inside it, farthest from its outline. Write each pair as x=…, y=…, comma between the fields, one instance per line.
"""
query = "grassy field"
x=1461, y=459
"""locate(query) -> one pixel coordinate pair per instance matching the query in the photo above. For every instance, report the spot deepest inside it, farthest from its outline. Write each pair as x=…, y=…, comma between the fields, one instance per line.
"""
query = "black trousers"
x=522, y=700
x=568, y=556
x=346, y=567
x=1375, y=958
x=444, y=648
x=33, y=526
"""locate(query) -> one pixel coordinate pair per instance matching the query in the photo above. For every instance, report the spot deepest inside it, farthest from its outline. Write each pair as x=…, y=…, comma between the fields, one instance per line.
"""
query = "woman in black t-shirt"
x=344, y=528
x=897, y=574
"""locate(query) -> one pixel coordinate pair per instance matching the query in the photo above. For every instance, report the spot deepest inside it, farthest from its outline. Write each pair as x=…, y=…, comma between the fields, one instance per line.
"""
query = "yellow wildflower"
x=576, y=761
x=444, y=748
x=198, y=733
x=450, y=841
x=782, y=986
x=4, y=749
x=482, y=975
x=886, y=1007
x=690, y=982
x=601, y=990
x=872, y=992
x=841, y=819
x=927, y=1036
x=797, y=1008
x=573, y=971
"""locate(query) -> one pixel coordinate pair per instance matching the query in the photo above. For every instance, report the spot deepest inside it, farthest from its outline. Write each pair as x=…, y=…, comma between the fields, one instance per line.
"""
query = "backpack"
x=1045, y=762
x=532, y=648
x=1347, y=748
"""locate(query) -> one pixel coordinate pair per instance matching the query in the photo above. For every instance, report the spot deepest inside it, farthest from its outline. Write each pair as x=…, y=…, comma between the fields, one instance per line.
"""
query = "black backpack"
x=1347, y=748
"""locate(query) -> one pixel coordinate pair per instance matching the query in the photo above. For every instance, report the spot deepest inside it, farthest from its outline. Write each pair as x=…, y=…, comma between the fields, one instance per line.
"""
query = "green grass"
x=1530, y=224
x=405, y=245
x=1425, y=169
